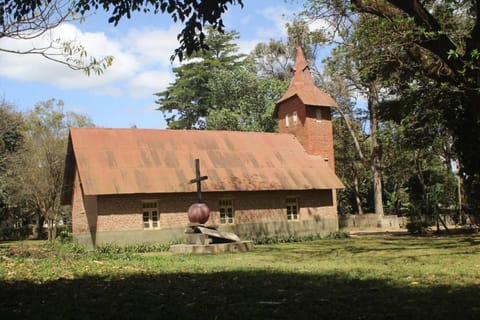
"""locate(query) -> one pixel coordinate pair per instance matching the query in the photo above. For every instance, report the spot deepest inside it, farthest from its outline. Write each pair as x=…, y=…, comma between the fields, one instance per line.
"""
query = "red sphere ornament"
x=198, y=213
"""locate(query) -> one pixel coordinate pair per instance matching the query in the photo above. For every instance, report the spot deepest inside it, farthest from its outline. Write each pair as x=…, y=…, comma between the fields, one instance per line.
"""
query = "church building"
x=134, y=185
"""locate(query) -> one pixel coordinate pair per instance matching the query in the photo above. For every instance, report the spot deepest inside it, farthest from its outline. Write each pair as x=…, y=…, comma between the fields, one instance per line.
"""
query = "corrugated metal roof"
x=126, y=161
x=302, y=85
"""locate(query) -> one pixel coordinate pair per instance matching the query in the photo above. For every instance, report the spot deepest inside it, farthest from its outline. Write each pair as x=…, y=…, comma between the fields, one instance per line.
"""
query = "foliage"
x=380, y=277
x=351, y=71
x=185, y=102
x=417, y=226
x=242, y=101
x=41, y=16
x=27, y=20
x=296, y=238
x=112, y=248
x=275, y=58
x=64, y=237
x=41, y=175
x=11, y=148
x=434, y=40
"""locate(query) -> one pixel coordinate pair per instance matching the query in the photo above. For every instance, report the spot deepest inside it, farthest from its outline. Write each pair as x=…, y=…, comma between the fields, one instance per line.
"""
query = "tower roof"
x=302, y=85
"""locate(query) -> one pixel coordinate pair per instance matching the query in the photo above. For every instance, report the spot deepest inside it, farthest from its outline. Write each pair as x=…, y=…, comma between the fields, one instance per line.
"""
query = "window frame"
x=225, y=204
x=150, y=210
x=295, y=118
x=287, y=120
x=318, y=115
x=292, y=208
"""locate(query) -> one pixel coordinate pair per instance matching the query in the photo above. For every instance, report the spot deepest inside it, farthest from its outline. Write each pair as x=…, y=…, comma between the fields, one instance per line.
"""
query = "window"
x=295, y=118
x=226, y=211
x=150, y=215
x=292, y=208
x=318, y=114
x=287, y=121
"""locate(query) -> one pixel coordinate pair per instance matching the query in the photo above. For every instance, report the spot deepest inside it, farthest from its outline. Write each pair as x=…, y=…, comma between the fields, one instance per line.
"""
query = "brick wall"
x=125, y=212
x=315, y=136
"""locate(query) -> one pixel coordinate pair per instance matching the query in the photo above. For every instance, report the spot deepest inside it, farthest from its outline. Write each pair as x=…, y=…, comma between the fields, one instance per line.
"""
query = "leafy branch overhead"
x=195, y=14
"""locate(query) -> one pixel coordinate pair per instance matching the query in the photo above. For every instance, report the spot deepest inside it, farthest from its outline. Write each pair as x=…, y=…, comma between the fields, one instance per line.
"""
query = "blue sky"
x=123, y=95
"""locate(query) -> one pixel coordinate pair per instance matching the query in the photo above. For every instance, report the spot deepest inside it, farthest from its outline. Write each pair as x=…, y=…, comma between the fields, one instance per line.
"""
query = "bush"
x=418, y=227
x=65, y=237
x=295, y=238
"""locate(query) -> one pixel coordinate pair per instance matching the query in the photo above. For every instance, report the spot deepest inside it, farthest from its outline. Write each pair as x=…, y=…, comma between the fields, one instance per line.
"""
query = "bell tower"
x=306, y=112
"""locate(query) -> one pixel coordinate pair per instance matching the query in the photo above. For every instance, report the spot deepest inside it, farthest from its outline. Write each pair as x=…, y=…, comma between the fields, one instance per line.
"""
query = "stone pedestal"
x=198, y=238
x=207, y=239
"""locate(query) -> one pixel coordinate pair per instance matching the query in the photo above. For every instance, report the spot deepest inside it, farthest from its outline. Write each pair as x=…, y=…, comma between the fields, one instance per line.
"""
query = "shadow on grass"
x=233, y=295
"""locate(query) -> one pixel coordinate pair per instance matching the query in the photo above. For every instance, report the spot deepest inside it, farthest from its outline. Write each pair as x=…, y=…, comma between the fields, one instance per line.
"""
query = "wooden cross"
x=198, y=180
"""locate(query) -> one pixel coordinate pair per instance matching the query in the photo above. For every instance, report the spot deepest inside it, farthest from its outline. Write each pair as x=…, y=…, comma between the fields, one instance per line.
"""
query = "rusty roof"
x=127, y=161
x=302, y=85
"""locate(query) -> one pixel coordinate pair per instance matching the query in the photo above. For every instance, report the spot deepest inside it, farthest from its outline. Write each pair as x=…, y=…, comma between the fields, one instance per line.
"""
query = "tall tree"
x=243, y=101
x=185, y=103
x=354, y=65
x=275, y=58
x=46, y=143
x=441, y=41
x=11, y=145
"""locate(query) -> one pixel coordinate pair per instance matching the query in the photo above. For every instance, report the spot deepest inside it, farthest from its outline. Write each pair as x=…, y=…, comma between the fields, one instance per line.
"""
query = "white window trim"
x=151, y=208
x=292, y=202
x=228, y=204
x=318, y=115
x=295, y=118
x=287, y=120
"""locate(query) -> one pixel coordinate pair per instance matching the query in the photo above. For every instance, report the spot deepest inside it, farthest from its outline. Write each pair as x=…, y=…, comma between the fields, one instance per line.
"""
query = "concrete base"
x=239, y=246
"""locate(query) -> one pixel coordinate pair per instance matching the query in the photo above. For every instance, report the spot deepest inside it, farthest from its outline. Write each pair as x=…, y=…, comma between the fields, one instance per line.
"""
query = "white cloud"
x=247, y=46
x=279, y=16
x=37, y=68
x=323, y=25
x=133, y=54
x=151, y=45
x=149, y=82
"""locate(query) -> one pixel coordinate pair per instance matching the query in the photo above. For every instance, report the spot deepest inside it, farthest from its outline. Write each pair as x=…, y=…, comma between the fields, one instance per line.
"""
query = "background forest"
x=400, y=132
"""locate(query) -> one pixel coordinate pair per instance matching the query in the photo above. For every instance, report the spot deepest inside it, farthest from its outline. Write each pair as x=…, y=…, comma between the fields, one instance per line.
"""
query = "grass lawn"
x=367, y=277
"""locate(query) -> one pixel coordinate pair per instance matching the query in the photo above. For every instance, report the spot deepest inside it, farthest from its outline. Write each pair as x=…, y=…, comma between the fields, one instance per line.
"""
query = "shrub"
x=295, y=238
x=417, y=227
x=65, y=237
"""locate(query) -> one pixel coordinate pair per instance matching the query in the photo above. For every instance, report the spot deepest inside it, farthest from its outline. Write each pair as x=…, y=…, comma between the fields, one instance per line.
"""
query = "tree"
x=243, y=101
x=185, y=103
x=436, y=39
x=424, y=134
x=11, y=145
x=37, y=17
x=352, y=71
x=275, y=58
x=46, y=144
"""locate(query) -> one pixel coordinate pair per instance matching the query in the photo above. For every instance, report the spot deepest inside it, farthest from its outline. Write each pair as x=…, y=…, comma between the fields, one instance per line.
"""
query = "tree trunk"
x=356, y=190
x=41, y=221
x=356, y=143
x=51, y=229
x=468, y=146
x=376, y=148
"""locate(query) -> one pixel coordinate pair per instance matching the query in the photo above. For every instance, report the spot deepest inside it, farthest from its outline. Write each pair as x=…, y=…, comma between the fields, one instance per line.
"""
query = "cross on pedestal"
x=198, y=180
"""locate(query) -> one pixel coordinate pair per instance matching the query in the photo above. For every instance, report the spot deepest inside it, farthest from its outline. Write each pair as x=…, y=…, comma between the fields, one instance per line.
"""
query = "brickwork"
x=316, y=136
x=80, y=206
x=255, y=213
x=125, y=212
x=320, y=134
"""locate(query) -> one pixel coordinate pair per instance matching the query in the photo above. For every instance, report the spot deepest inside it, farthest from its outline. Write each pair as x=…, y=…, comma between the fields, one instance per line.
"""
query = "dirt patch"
x=27, y=252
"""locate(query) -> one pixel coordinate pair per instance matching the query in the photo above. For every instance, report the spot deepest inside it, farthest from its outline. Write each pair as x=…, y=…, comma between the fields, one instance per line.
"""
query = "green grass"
x=395, y=277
